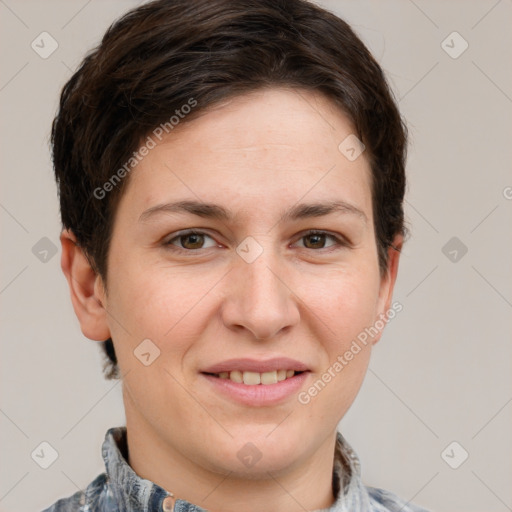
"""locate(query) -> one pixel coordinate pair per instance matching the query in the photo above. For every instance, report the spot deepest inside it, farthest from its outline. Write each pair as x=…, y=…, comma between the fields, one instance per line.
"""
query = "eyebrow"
x=215, y=211
x=207, y=210
x=308, y=210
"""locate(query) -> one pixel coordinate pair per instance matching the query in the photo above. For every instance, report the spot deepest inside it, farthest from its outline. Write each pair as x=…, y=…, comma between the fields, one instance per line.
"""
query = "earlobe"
x=86, y=289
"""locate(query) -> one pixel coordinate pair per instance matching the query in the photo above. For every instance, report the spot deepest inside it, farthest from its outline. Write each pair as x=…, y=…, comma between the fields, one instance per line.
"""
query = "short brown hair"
x=157, y=57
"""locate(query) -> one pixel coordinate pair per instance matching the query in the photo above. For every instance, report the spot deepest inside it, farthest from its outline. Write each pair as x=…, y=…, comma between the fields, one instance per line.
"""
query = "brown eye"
x=314, y=241
x=319, y=240
x=192, y=241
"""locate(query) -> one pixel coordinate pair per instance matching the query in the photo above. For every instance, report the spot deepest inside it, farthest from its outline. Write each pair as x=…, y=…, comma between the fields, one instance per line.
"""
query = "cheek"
x=168, y=307
x=343, y=305
x=346, y=308
x=346, y=302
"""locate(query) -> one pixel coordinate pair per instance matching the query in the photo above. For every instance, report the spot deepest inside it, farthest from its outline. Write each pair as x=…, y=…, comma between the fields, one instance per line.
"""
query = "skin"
x=257, y=155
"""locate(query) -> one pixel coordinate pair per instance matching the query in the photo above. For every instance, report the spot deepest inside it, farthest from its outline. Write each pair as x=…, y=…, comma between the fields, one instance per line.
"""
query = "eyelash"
x=339, y=242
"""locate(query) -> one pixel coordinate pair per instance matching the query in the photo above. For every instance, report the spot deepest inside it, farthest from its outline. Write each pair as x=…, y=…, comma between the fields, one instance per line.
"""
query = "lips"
x=253, y=372
x=252, y=393
x=256, y=366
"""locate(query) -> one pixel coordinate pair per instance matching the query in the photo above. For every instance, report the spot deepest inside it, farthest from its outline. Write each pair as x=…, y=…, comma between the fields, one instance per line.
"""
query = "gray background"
x=442, y=371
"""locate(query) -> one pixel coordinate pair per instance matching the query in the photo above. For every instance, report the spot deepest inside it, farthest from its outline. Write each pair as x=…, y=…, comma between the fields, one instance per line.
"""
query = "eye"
x=320, y=240
x=192, y=240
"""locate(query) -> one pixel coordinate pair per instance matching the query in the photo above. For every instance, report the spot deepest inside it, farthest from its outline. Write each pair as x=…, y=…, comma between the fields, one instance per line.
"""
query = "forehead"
x=275, y=145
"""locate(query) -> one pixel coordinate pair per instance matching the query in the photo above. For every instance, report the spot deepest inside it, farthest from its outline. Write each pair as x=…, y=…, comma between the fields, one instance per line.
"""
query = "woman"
x=231, y=179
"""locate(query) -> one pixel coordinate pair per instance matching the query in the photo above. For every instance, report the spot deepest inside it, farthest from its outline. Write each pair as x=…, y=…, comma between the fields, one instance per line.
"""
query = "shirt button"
x=168, y=503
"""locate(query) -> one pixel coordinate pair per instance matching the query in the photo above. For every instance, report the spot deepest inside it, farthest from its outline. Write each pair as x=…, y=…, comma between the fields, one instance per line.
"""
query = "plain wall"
x=442, y=371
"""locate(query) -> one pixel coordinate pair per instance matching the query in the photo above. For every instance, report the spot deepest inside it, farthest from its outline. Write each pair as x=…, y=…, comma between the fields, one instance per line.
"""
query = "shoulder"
x=93, y=499
x=385, y=501
x=70, y=504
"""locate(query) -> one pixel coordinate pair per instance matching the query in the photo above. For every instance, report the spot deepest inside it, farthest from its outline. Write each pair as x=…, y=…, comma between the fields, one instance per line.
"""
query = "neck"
x=307, y=485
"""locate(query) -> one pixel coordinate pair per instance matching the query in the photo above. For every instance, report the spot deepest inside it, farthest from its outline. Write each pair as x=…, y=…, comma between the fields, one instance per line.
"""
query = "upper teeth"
x=253, y=378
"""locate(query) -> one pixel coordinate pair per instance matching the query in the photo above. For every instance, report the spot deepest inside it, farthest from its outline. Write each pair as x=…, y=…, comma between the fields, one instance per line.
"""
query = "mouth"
x=255, y=382
x=250, y=378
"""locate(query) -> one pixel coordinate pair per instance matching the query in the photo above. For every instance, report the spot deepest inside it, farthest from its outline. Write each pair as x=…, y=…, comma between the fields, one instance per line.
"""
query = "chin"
x=253, y=452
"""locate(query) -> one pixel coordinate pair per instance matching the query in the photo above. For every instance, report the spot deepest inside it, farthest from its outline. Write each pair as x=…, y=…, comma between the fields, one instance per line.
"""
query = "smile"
x=255, y=378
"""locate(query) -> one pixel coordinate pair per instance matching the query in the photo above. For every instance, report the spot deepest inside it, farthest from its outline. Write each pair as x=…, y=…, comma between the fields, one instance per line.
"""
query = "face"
x=244, y=246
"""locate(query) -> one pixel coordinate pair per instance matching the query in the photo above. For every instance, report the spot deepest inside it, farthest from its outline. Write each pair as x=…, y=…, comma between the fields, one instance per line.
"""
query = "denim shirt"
x=120, y=489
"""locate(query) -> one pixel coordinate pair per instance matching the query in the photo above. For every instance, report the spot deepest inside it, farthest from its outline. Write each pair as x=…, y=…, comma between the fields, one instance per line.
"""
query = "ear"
x=86, y=289
x=387, y=282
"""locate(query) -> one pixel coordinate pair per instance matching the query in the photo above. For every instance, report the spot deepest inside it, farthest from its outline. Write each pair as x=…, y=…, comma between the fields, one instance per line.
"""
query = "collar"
x=129, y=492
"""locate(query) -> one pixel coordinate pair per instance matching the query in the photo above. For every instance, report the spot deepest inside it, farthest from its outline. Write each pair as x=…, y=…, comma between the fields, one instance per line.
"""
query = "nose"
x=259, y=299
